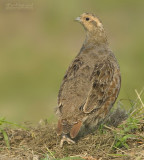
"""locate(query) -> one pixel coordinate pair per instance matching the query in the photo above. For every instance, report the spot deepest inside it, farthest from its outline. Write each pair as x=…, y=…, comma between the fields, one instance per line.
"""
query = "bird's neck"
x=96, y=38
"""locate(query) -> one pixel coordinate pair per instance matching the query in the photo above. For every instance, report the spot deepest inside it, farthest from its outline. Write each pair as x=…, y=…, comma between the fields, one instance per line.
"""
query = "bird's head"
x=93, y=26
x=90, y=22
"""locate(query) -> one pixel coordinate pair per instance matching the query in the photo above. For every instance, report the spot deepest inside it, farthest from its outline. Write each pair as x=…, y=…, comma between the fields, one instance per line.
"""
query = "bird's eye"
x=87, y=19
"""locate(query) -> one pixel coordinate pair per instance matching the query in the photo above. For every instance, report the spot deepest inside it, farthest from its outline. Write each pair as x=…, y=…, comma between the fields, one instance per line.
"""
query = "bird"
x=91, y=84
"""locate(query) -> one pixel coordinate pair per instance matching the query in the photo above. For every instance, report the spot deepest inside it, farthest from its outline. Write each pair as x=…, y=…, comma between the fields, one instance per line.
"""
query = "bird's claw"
x=66, y=139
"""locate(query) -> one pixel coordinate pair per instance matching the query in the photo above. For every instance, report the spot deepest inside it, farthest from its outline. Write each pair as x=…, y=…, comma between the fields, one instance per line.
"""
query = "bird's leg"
x=65, y=138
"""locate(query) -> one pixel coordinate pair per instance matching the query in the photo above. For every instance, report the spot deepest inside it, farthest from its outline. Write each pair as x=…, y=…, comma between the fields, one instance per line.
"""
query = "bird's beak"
x=78, y=19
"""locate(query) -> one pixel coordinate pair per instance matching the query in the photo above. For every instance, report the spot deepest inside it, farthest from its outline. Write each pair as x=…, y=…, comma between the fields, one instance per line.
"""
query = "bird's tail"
x=65, y=128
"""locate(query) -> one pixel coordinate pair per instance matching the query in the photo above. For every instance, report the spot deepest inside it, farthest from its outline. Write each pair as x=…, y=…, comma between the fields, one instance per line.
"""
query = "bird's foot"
x=65, y=138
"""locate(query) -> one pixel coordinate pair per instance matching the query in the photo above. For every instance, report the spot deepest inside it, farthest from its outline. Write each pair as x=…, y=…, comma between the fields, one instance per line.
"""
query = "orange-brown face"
x=90, y=22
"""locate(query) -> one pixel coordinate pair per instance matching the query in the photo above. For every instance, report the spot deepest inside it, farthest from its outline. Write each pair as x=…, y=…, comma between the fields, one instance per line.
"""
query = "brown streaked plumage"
x=91, y=84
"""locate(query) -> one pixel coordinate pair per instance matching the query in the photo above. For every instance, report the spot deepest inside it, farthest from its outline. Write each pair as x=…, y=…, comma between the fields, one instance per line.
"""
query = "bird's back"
x=77, y=82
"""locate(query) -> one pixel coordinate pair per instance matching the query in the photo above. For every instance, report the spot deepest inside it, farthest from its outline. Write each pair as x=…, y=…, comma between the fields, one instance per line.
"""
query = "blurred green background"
x=38, y=43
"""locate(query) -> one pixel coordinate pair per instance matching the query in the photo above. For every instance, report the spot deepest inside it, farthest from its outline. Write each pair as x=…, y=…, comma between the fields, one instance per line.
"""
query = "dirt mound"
x=42, y=143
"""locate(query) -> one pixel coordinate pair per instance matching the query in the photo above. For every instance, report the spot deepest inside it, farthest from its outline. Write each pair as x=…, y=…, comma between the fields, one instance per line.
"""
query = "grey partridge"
x=91, y=84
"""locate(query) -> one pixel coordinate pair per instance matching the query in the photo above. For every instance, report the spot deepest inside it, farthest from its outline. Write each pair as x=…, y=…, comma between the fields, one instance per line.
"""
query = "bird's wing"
x=101, y=79
x=75, y=87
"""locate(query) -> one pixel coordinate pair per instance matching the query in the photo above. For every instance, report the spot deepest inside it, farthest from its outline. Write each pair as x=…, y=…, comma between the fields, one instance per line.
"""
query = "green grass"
x=3, y=124
x=127, y=129
x=66, y=158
